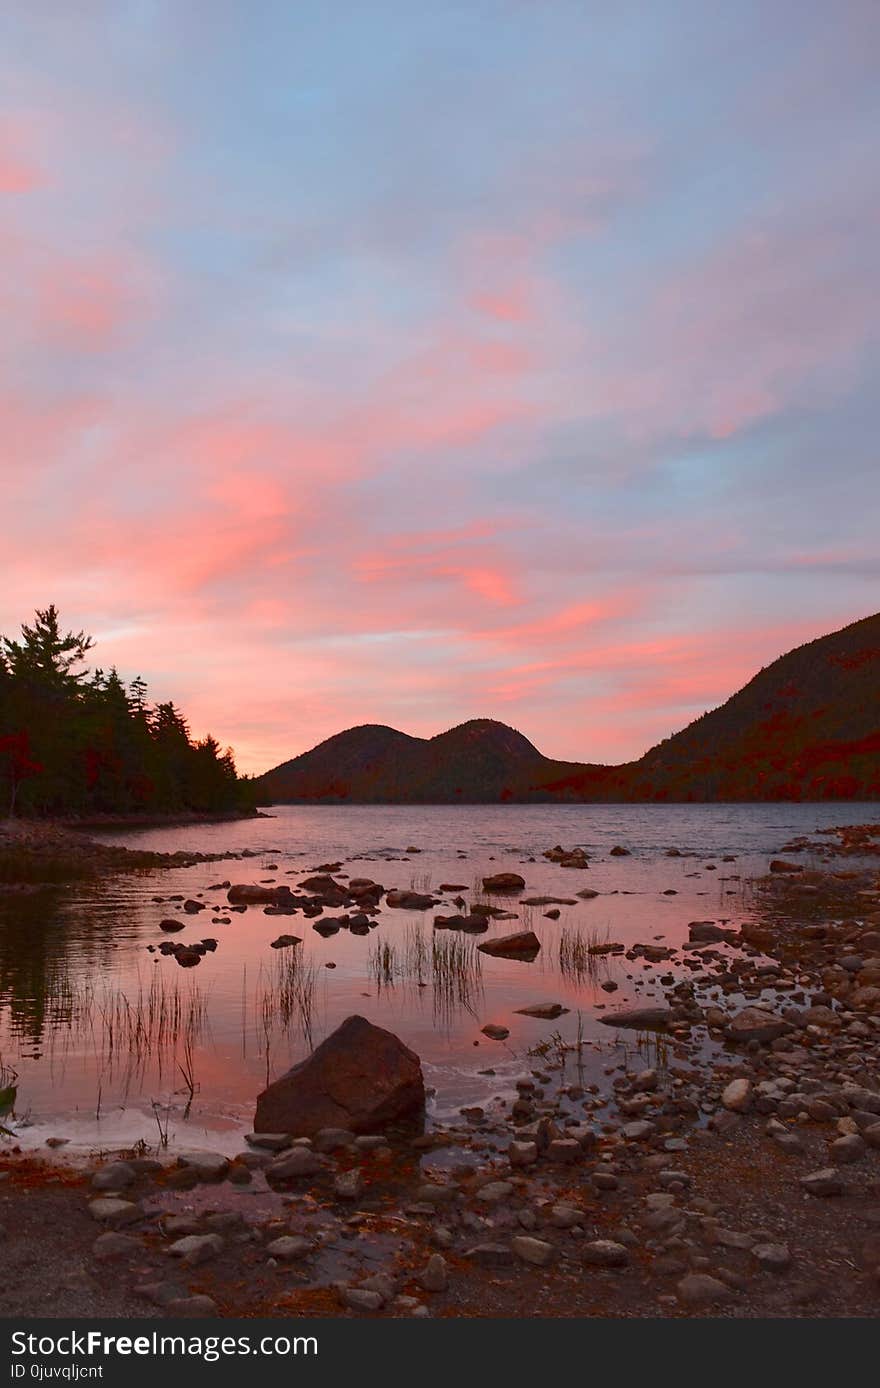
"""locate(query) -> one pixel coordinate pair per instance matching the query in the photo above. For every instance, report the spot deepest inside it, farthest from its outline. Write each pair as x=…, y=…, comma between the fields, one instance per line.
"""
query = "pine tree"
x=74, y=741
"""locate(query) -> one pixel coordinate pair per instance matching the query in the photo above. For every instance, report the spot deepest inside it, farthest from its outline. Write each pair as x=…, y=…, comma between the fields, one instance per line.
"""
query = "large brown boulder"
x=248, y=893
x=504, y=882
x=410, y=901
x=524, y=945
x=361, y=1078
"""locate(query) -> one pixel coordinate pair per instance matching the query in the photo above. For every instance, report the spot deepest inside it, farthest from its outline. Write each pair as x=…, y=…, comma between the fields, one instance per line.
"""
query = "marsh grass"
x=284, y=1001
x=129, y=1028
x=650, y=1046
x=388, y=964
x=415, y=954
x=456, y=974
x=582, y=955
x=383, y=965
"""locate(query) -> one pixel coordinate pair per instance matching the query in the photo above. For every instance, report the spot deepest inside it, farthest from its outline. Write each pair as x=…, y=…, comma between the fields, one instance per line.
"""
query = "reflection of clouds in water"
x=55, y=948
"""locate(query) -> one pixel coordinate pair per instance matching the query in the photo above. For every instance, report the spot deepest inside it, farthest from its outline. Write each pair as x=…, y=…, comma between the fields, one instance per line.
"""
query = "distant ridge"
x=806, y=727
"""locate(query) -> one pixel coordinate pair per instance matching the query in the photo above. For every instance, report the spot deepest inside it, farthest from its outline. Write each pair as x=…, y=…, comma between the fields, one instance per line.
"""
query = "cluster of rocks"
x=567, y=857
x=358, y=899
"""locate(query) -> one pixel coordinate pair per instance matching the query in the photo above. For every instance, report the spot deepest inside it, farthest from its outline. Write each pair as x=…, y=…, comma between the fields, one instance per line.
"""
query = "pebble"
x=490, y=1255
x=565, y=1216
x=185, y=1306
x=522, y=1153
x=333, y=1139
x=699, y=1289
x=196, y=1248
x=348, y=1185
x=605, y=1253
x=847, y=1149
x=639, y=1131
x=298, y=1162
x=116, y=1175
x=737, y=1096
x=494, y=1193
x=605, y=1180
x=289, y=1248
x=774, y=1257
x=434, y=1276
x=531, y=1250
x=208, y=1166
x=360, y=1299
x=823, y=1183
x=112, y=1245
x=108, y=1210
x=564, y=1149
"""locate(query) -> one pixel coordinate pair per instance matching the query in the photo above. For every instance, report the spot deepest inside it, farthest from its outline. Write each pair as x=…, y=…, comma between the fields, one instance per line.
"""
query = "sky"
x=408, y=363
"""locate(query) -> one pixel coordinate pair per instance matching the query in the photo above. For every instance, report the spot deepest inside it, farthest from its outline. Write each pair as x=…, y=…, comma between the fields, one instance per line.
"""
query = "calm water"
x=110, y=1042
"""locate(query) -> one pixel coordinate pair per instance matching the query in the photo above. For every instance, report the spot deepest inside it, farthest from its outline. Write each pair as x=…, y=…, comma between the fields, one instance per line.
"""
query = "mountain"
x=806, y=727
x=477, y=762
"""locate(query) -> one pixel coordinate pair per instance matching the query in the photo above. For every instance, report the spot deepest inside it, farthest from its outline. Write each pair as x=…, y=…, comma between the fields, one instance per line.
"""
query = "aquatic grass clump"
x=415, y=954
x=285, y=995
x=129, y=1031
x=138, y=1027
x=284, y=1000
x=382, y=964
x=581, y=955
x=457, y=975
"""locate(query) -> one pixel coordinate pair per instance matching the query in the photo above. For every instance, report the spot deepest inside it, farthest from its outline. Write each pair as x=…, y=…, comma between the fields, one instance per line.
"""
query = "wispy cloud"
x=440, y=362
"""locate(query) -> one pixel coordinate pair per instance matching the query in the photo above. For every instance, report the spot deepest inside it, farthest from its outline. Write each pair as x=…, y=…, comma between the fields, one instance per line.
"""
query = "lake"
x=110, y=1043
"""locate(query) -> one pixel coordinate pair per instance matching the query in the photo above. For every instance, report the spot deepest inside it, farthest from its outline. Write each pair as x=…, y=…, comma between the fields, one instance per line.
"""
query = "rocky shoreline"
x=740, y=1180
x=728, y=1164
x=35, y=854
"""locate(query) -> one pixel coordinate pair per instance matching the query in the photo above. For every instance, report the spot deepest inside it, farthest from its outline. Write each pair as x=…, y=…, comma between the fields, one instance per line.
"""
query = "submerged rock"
x=640, y=1018
x=546, y=1011
x=361, y=1078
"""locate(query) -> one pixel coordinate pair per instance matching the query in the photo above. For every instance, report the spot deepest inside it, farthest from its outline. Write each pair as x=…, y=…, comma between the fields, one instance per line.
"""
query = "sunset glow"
x=475, y=360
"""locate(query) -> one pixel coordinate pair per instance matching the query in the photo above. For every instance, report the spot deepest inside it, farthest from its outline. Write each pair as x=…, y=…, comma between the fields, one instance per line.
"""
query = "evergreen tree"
x=75, y=741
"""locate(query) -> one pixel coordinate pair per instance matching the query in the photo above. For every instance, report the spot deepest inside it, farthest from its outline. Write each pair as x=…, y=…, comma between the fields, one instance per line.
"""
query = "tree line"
x=77, y=741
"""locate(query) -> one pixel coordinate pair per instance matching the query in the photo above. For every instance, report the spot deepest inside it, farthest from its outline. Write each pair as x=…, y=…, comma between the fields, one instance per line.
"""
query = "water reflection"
x=96, y=1024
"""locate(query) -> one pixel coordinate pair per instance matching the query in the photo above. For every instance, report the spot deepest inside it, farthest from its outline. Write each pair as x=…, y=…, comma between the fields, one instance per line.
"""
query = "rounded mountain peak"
x=487, y=734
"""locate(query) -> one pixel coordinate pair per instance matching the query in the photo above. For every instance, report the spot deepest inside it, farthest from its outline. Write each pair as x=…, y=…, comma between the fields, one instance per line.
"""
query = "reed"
x=581, y=954
x=415, y=954
x=383, y=965
x=285, y=994
x=457, y=975
x=129, y=1030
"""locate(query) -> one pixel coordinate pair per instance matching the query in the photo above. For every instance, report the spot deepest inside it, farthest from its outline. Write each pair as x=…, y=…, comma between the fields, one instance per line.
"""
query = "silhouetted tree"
x=75, y=741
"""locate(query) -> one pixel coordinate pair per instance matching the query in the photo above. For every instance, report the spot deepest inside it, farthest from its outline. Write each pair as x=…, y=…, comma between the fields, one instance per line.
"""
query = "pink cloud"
x=15, y=175
x=84, y=307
